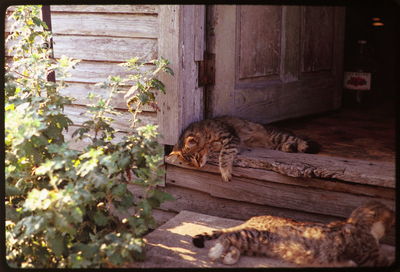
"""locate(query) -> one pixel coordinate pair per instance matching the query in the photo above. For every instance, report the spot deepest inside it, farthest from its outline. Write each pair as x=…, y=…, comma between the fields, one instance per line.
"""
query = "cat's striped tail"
x=199, y=239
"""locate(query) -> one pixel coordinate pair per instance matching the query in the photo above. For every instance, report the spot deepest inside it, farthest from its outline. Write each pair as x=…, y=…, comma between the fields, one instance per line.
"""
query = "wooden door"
x=274, y=62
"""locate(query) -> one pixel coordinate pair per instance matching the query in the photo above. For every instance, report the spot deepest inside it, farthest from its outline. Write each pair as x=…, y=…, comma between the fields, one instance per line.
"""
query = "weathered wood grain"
x=8, y=22
x=190, y=93
x=270, y=176
x=338, y=49
x=188, y=199
x=169, y=47
x=151, y=9
x=110, y=24
x=122, y=121
x=271, y=193
x=98, y=71
x=318, y=166
x=290, y=44
x=183, y=102
x=276, y=97
x=351, y=133
x=317, y=36
x=222, y=42
x=197, y=201
x=79, y=91
x=81, y=144
x=104, y=48
x=261, y=24
x=199, y=33
x=282, y=101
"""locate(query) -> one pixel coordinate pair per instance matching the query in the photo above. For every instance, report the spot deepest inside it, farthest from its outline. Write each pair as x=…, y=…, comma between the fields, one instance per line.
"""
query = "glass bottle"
x=358, y=78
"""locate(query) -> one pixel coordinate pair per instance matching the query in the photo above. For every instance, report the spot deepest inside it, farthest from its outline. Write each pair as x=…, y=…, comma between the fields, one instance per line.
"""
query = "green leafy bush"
x=58, y=200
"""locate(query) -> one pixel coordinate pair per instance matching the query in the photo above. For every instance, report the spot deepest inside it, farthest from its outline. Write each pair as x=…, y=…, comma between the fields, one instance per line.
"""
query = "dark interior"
x=364, y=132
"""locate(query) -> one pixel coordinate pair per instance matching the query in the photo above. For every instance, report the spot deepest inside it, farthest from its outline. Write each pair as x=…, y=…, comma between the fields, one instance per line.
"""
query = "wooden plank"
x=199, y=33
x=269, y=99
x=197, y=201
x=150, y=9
x=283, y=101
x=290, y=44
x=272, y=194
x=113, y=25
x=98, y=71
x=171, y=246
x=79, y=91
x=104, y=48
x=169, y=46
x=8, y=22
x=11, y=8
x=190, y=93
x=338, y=47
x=122, y=122
x=351, y=133
x=183, y=102
x=81, y=144
x=317, y=36
x=222, y=21
x=319, y=166
x=270, y=176
x=263, y=25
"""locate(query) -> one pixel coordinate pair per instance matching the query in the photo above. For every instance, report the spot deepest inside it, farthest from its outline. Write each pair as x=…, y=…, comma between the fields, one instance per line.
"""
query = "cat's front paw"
x=232, y=256
x=226, y=174
x=216, y=251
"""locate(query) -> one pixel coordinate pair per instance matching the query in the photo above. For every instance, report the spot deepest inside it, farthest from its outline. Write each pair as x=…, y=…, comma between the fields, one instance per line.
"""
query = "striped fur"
x=226, y=135
x=351, y=242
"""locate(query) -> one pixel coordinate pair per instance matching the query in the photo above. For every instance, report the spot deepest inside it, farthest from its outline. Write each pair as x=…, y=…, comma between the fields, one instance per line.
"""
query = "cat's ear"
x=190, y=142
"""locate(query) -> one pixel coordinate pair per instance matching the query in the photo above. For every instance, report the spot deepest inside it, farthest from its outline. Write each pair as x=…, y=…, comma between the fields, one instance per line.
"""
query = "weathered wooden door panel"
x=274, y=62
x=317, y=29
x=262, y=60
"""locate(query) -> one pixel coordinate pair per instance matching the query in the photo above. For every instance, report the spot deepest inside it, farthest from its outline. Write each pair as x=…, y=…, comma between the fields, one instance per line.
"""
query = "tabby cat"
x=352, y=242
x=226, y=134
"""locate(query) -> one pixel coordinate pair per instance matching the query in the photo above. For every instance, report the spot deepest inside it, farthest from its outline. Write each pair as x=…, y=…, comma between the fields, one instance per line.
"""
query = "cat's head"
x=375, y=216
x=191, y=151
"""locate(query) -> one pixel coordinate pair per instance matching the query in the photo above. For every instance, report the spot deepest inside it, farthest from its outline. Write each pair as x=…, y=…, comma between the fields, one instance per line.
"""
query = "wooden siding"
x=130, y=9
x=102, y=36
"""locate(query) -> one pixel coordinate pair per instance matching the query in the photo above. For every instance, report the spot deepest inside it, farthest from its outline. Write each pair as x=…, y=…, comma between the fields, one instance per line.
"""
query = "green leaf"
x=37, y=21
x=161, y=196
x=58, y=244
x=12, y=190
x=63, y=225
x=12, y=214
x=119, y=189
x=100, y=219
x=116, y=259
x=153, y=202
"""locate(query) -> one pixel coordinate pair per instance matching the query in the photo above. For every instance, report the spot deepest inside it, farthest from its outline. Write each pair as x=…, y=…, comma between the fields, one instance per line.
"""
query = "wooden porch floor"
x=351, y=133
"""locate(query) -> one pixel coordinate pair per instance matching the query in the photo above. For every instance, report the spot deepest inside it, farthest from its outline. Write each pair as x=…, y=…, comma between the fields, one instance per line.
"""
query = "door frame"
x=182, y=41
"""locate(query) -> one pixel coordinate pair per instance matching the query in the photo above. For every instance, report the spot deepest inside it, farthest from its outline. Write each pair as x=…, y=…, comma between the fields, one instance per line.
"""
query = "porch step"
x=170, y=246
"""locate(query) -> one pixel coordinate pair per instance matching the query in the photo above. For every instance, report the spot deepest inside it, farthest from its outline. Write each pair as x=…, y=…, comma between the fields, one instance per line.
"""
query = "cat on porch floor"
x=344, y=243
